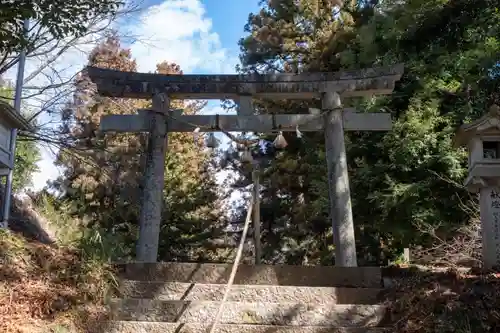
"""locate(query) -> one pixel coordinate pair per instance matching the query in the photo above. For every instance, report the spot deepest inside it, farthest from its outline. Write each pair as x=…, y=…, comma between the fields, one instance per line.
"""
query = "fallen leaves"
x=449, y=301
x=43, y=285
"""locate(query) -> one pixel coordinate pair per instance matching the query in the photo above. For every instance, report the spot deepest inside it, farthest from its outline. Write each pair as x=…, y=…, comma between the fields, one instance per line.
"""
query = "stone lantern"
x=482, y=138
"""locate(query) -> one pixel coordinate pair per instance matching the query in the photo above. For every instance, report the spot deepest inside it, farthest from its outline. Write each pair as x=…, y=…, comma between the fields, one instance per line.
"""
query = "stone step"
x=309, y=276
x=250, y=293
x=152, y=327
x=292, y=314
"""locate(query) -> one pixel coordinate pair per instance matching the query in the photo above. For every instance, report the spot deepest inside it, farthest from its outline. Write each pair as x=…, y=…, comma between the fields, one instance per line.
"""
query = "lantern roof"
x=487, y=125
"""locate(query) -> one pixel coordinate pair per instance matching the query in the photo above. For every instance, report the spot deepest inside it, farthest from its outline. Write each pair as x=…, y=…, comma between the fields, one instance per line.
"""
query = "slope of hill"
x=61, y=285
x=50, y=283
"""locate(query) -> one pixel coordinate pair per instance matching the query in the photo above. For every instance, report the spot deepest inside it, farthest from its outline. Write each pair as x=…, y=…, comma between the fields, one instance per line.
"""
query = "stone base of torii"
x=334, y=120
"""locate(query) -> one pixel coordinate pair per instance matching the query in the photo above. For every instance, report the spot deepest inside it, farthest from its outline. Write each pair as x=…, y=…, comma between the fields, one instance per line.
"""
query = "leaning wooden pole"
x=234, y=269
x=256, y=216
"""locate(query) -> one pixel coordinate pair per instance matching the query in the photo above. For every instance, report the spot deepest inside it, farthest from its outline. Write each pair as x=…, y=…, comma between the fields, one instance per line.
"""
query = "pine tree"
x=399, y=179
x=295, y=36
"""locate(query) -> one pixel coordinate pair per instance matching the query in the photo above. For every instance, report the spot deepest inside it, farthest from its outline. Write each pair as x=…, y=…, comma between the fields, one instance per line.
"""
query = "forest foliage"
x=403, y=180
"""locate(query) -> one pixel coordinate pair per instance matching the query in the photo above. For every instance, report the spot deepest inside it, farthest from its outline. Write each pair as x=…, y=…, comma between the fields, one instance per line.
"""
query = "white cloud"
x=179, y=31
x=176, y=30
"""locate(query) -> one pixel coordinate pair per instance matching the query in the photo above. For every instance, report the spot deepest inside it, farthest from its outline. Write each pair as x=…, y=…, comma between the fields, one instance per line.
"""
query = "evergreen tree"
x=399, y=179
x=103, y=172
x=416, y=177
x=193, y=217
x=101, y=175
x=293, y=36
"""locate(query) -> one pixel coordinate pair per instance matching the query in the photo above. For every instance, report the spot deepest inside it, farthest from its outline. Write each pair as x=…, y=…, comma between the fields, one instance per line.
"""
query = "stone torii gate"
x=334, y=120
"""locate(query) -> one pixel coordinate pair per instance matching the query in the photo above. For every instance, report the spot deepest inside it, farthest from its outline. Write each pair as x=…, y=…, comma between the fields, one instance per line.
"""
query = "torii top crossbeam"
x=112, y=83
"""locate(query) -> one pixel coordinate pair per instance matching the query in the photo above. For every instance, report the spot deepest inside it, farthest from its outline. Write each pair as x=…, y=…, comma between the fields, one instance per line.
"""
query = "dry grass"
x=48, y=288
x=430, y=301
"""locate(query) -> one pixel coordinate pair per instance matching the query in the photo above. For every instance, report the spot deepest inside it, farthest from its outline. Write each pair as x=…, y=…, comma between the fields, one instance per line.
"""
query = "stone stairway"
x=184, y=298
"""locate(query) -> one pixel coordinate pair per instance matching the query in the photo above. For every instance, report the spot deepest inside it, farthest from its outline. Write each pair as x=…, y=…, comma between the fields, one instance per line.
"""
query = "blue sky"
x=199, y=35
x=228, y=18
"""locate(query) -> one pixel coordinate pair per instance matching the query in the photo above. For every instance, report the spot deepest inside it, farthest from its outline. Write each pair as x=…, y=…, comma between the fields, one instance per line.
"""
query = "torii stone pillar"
x=338, y=182
x=482, y=139
x=154, y=180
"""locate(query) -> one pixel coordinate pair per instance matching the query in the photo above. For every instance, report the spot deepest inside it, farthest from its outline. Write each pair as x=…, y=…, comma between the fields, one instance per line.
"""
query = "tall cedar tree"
x=402, y=179
x=101, y=178
x=103, y=172
x=194, y=220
